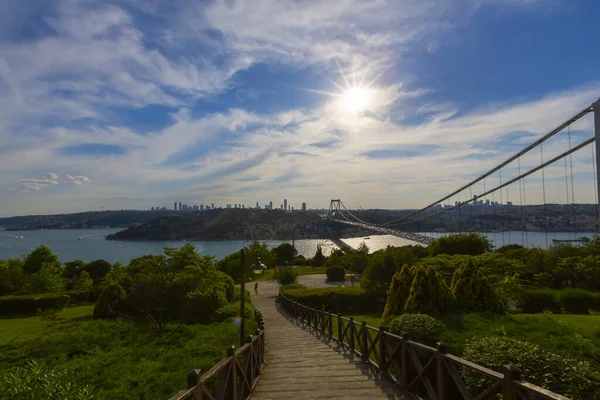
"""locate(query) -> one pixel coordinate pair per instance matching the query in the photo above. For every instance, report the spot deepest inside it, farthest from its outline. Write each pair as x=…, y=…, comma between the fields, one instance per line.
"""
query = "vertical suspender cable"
x=572, y=188
x=544, y=193
x=567, y=192
x=501, y=207
x=521, y=209
x=595, y=185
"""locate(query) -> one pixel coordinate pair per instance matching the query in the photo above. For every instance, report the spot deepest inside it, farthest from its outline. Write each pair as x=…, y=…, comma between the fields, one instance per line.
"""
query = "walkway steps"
x=301, y=366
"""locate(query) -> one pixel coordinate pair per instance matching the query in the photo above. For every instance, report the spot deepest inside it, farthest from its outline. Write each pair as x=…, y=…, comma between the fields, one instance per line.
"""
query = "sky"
x=131, y=104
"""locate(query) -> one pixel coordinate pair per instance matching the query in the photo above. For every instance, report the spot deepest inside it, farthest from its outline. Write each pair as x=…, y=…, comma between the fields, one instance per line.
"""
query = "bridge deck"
x=301, y=366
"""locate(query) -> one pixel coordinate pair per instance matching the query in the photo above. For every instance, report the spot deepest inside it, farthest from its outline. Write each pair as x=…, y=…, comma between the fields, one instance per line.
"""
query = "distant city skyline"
x=391, y=105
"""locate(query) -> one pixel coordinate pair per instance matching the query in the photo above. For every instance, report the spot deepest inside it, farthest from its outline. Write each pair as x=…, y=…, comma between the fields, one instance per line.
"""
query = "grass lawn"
x=19, y=328
x=121, y=359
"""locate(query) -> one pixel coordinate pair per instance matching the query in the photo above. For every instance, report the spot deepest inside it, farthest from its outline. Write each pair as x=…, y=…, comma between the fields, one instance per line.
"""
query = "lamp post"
x=242, y=294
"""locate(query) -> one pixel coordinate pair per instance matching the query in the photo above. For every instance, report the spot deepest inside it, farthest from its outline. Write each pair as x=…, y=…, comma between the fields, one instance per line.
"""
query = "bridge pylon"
x=334, y=208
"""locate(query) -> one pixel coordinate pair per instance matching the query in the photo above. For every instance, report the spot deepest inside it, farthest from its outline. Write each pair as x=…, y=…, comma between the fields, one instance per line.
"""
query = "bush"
x=462, y=243
x=232, y=310
x=294, y=285
x=473, y=292
x=287, y=275
x=398, y=293
x=110, y=302
x=340, y=299
x=39, y=381
x=578, y=301
x=336, y=273
x=418, y=327
x=533, y=301
x=28, y=305
x=81, y=296
x=572, y=378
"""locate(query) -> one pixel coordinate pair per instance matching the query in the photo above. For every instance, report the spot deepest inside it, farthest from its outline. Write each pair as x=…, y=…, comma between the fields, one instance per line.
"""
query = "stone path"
x=301, y=366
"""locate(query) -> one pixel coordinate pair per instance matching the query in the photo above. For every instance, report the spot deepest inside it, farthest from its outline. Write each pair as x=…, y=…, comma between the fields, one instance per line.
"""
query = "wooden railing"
x=234, y=377
x=417, y=368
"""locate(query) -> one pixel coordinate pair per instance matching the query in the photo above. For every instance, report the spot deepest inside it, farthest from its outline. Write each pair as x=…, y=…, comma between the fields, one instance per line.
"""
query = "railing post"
x=322, y=318
x=351, y=333
x=382, y=358
x=439, y=361
x=232, y=373
x=193, y=380
x=330, y=327
x=404, y=364
x=510, y=374
x=365, y=344
x=340, y=329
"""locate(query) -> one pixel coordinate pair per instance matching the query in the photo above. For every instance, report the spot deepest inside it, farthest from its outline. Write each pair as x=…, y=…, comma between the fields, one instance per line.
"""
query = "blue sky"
x=138, y=103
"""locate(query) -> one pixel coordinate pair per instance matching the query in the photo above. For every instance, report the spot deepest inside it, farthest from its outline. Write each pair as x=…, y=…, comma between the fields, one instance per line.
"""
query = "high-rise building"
x=303, y=206
x=270, y=205
x=179, y=206
x=213, y=206
x=175, y=206
x=257, y=206
x=201, y=207
x=285, y=206
x=281, y=206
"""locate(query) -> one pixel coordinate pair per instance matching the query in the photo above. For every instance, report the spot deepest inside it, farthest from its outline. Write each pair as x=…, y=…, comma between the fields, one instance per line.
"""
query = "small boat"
x=366, y=238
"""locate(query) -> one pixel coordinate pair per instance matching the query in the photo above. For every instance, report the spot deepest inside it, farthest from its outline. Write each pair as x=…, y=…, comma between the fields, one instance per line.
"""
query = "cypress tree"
x=428, y=293
x=398, y=293
x=473, y=292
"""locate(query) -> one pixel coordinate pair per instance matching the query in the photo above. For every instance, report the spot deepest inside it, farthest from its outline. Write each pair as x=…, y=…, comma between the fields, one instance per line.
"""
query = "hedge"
x=571, y=301
x=28, y=305
x=338, y=299
x=336, y=273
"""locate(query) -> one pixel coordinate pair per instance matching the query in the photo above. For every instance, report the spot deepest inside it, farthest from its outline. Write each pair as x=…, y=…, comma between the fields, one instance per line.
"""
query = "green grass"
x=20, y=328
x=120, y=358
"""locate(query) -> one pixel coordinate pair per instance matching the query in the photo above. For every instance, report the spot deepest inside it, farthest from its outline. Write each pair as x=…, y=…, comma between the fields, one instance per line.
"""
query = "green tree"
x=428, y=294
x=12, y=278
x=72, y=269
x=319, y=258
x=97, y=269
x=363, y=248
x=398, y=293
x=473, y=292
x=284, y=253
x=39, y=257
x=380, y=271
x=83, y=282
x=287, y=276
x=462, y=243
x=48, y=280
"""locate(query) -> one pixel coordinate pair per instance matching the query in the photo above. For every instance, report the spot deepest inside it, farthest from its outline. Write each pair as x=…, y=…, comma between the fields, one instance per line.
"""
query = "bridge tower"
x=334, y=208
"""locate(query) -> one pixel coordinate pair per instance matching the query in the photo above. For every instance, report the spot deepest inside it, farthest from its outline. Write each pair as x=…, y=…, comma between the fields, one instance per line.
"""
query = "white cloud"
x=51, y=179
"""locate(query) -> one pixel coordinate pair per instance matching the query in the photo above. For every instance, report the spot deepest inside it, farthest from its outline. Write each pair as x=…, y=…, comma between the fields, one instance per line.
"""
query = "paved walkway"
x=301, y=366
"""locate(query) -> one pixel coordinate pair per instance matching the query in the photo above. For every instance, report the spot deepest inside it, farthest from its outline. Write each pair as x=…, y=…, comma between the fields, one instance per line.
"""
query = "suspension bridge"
x=551, y=185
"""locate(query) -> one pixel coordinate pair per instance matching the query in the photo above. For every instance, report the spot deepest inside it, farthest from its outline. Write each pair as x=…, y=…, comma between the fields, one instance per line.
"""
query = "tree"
x=48, y=280
x=363, y=248
x=12, y=278
x=39, y=257
x=83, y=282
x=398, y=293
x=287, y=276
x=97, y=269
x=284, y=253
x=428, y=294
x=72, y=269
x=319, y=258
x=380, y=271
x=462, y=243
x=473, y=292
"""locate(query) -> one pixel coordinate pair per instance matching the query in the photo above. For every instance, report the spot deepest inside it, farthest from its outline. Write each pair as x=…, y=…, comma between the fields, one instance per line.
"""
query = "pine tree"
x=398, y=293
x=428, y=293
x=473, y=291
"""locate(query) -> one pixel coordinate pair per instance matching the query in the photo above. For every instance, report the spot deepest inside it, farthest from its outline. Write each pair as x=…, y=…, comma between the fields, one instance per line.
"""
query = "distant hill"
x=228, y=224
x=91, y=219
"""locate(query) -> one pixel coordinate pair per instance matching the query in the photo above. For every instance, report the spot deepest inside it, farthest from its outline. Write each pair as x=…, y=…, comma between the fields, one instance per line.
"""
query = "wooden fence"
x=234, y=377
x=417, y=368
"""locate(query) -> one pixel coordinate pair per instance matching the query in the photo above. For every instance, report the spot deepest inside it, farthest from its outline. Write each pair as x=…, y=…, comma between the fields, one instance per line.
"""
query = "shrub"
x=83, y=282
x=398, y=293
x=572, y=378
x=417, y=327
x=231, y=310
x=28, y=305
x=336, y=273
x=50, y=316
x=340, y=299
x=287, y=275
x=110, y=302
x=82, y=296
x=538, y=300
x=294, y=285
x=39, y=381
x=473, y=292
x=578, y=301
x=428, y=294
x=461, y=243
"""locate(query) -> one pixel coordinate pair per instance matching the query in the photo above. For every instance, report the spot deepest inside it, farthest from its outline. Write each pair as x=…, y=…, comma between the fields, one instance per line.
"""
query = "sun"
x=355, y=99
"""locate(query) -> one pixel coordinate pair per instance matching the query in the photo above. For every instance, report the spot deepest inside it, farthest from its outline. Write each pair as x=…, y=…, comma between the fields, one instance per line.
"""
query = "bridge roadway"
x=302, y=366
x=415, y=237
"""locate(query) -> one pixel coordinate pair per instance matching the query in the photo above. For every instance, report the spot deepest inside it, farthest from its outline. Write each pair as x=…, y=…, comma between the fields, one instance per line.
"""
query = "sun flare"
x=355, y=99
